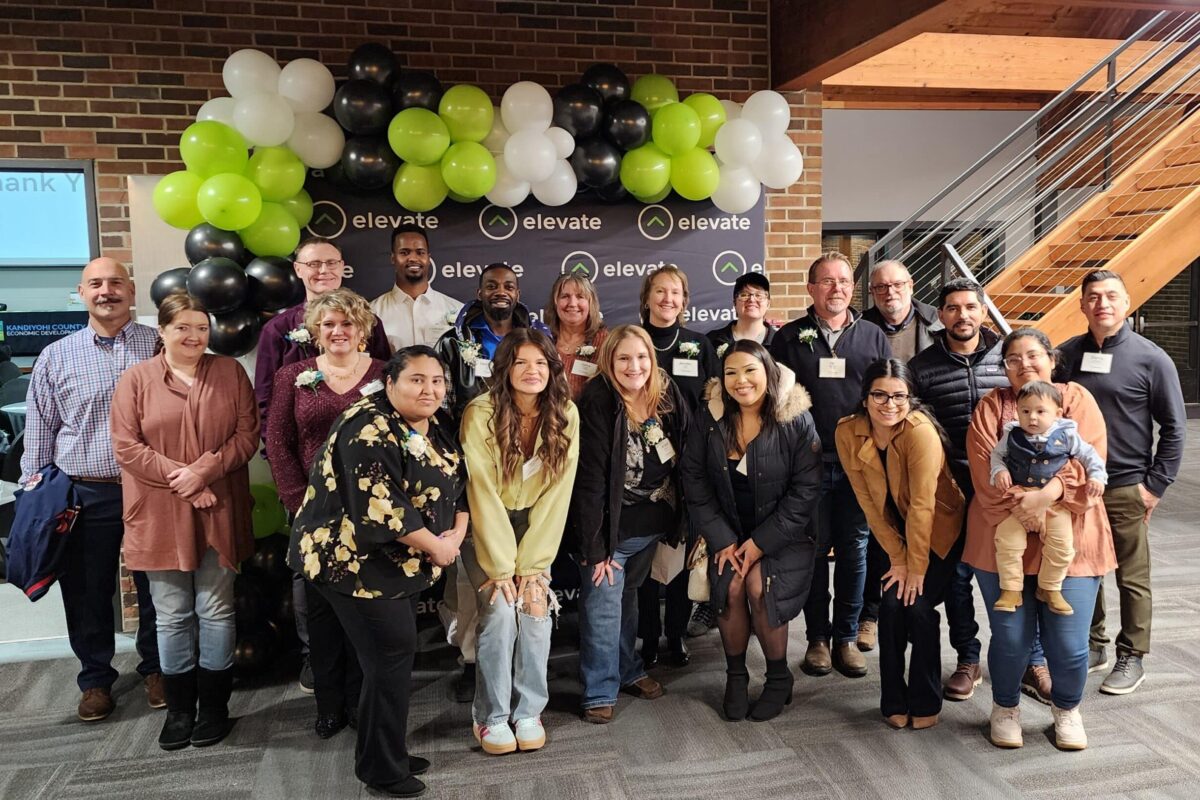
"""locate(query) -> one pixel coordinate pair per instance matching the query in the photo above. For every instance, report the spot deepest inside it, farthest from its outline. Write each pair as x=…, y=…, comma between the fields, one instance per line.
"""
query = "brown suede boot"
x=1009, y=601
x=1054, y=601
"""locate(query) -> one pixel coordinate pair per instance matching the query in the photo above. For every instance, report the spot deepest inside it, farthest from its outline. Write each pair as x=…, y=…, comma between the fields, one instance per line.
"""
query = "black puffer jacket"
x=784, y=464
x=594, y=521
x=952, y=385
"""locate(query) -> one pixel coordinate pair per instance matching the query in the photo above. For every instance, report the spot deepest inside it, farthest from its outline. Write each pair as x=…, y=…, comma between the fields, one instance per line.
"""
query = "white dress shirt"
x=421, y=321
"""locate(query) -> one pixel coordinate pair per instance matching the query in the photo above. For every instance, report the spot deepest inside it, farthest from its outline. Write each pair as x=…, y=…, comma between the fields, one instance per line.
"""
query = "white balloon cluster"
x=270, y=106
x=754, y=148
x=533, y=155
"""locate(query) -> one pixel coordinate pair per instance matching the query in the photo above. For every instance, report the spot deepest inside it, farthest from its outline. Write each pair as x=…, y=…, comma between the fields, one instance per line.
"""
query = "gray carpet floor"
x=830, y=743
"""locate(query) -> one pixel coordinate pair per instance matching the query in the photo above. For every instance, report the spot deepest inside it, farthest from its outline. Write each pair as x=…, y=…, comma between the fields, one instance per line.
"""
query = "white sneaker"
x=496, y=740
x=1068, y=729
x=1006, y=726
x=530, y=733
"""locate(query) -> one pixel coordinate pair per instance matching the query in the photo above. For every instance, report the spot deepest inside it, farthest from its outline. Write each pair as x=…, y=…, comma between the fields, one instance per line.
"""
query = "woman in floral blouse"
x=383, y=513
x=573, y=317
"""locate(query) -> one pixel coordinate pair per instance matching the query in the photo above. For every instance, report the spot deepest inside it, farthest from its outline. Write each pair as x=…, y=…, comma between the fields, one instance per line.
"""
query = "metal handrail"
x=966, y=272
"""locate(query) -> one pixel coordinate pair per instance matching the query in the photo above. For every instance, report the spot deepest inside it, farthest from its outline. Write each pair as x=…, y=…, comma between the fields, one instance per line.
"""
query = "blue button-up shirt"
x=70, y=397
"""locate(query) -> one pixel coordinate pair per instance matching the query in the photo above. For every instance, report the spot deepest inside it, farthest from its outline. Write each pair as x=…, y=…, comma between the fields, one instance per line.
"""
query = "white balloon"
x=732, y=109
x=248, y=72
x=526, y=105
x=264, y=118
x=317, y=140
x=738, y=142
x=497, y=136
x=530, y=156
x=769, y=111
x=559, y=189
x=564, y=143
x=780, y=164
x=509, y=191
x=306, y=84
x=737, y=190
x=219, y=109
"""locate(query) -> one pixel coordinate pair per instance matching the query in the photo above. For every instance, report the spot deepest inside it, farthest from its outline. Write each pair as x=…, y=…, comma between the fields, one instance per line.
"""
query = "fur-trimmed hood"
x=797, y=399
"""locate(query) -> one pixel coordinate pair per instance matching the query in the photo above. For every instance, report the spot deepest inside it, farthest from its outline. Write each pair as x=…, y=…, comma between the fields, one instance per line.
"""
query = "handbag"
x=668, y=562
x=697, y=564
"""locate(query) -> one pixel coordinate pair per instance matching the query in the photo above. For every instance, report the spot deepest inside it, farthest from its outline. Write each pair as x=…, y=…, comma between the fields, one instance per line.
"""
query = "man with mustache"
x=412, y=312
x=67, y=424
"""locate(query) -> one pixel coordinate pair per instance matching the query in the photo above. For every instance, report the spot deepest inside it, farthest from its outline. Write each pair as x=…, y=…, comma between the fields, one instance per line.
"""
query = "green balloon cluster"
x=267, y=516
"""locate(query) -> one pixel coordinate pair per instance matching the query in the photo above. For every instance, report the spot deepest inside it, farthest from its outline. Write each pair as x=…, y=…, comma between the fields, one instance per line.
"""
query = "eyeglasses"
x=1032, y=357
x=829, y=283
x=884, y=288
x=882, y=398
x=333, y=265
x=747, y=296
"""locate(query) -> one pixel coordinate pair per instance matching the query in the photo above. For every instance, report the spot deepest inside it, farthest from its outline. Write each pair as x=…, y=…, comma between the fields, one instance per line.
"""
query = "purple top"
x=275, y=350
x=300, y=420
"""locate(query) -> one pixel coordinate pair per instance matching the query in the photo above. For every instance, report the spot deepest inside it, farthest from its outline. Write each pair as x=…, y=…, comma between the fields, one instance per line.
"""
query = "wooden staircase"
x=1145, y=227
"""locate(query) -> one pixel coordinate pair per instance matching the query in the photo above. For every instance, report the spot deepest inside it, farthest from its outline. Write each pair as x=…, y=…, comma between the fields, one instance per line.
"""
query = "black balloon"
x=207, y=241
x=627, y=124
x=269, y=283
x=298, y=292
x=578, y=109
x=218, y=283
x=416, y=88
x=612, y=193
x=608, y=80
x=373, y=62
x=250, y=602
x=234, y=333
x=596, y=162
x=173, y=280
x=255, y=650
x=363, y=107
x=270, y=559
x=369, y=162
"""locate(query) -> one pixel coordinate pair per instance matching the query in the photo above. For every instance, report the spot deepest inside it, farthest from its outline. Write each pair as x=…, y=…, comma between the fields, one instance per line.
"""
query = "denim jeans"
x=608, y=620
x=1065, y=639
x=842, y=525
x=195, y=606
x=512, y=652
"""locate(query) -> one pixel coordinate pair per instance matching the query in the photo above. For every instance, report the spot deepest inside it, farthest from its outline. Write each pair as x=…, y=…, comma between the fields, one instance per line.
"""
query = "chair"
x=14, y=391
x=8, y=371
x=10, y=470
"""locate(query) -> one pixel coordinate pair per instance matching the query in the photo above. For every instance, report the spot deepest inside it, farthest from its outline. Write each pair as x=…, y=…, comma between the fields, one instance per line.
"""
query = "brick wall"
x=117, y=80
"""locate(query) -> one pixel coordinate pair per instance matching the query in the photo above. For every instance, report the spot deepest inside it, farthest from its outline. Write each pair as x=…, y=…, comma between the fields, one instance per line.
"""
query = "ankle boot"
x=1055, y=601
x=213, y=690
x=737, y=686
x=776, y=693
x=1009, y=600
x=181, y=710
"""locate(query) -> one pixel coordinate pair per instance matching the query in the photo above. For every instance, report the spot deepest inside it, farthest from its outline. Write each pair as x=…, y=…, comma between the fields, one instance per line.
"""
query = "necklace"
x=669, y=347
x=344, y=375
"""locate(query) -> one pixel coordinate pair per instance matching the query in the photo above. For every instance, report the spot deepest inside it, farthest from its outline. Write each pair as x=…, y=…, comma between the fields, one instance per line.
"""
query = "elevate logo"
x=328, y=220
x=581, y=263
x=497, y=223
x=655, y=222
x=729, y=265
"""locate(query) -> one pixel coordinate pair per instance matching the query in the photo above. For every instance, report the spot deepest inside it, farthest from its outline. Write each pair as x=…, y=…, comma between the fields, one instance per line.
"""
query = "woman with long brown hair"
x=521, y=440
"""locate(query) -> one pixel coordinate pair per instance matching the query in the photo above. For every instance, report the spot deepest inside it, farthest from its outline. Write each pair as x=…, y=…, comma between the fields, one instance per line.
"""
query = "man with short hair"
x=829, y=349
x=910, y=325
x=67, y=424
x=412, y=311
x=1136, y=385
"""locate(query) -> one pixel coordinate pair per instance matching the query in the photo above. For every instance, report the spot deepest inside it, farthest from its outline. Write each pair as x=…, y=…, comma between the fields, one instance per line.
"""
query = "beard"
x=499, y=314
x=414, y=278
x=959, y=337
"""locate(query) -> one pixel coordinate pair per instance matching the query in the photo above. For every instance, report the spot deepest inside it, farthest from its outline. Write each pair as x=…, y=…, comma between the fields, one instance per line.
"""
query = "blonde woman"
x=573, y=317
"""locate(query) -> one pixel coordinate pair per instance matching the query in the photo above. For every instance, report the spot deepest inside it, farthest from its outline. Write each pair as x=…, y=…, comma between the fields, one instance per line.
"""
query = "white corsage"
x=585, y=350
x=807, y=336
x=309, y=379
x=689, y=349
x=451, y=317
x=299, y=335
x=469, y=351
x=652, y=432
x=721, y=349
x=416, y=445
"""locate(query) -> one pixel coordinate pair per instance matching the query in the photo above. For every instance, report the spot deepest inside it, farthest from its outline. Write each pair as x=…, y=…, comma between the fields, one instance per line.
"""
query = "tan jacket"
x=921, y=485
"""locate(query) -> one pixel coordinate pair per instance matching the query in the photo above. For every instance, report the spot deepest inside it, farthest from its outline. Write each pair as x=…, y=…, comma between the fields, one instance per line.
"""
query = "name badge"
x=742, y=468
x=665, y=451
x=371, y=388
x=483, y=368
x=1097, y=362
x=531, y=467
x=832, y=368
x=685, y=368
x=585, y=368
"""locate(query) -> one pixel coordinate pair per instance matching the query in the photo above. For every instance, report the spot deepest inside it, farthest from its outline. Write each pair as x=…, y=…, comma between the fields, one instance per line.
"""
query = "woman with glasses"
x=893, y=451
x=1028, y=357
x=751, y=302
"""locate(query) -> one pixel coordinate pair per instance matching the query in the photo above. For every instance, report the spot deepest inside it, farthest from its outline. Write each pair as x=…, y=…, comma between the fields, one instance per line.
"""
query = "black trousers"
x=384, y=633
x=337, y=676
x=920, y=624
x=679, y=609
x=877, y=564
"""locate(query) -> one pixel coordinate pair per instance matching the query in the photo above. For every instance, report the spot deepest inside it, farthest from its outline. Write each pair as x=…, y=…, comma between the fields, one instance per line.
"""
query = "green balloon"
x=229, y=201
x=211, y=148
x=277, y=173
x=418, y=136
x=175, y=199
x=300, y=206
x=711, y=113
x=675, y=129
x=654, y=198
x=267, y=517
x=274, y=233
x=467, y=112
x=458, y=198
x=419, y=188
x=653, y=91
x=469, y=170
x=695, y=174
x=645, y=171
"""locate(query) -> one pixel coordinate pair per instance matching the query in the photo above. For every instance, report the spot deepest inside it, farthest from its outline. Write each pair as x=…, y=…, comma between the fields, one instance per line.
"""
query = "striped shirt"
x=70, y=397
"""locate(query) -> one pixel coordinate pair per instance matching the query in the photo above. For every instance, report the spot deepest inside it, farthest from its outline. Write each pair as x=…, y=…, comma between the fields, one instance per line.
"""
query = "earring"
x=362, y=347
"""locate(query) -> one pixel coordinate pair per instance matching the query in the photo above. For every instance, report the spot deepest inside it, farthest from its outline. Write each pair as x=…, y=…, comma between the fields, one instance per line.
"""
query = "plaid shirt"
x=70, y=396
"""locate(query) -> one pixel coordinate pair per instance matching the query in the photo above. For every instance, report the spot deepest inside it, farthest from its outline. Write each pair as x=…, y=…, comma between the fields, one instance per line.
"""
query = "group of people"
x=910, y=447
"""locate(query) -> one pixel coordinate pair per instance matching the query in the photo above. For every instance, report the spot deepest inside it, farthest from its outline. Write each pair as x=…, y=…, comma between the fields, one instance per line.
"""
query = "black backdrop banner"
x=614, y=244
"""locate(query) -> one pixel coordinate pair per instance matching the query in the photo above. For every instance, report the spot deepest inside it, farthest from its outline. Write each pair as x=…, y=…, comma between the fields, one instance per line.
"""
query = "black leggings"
x=337, y=677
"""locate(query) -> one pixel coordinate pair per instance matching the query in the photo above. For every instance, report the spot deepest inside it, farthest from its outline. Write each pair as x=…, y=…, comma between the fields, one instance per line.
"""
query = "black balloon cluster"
x=597, y=111
x=239, y=290
x=266, y=625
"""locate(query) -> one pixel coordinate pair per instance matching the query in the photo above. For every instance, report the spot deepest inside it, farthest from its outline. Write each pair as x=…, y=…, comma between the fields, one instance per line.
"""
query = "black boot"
x=737, y=685
x=213, y=689
x=776, y=693
x=464, y=685
x=181, y=710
